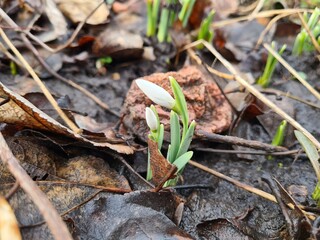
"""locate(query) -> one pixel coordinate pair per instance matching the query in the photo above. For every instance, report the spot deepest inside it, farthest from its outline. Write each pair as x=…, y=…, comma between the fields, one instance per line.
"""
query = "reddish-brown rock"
x=206, y=105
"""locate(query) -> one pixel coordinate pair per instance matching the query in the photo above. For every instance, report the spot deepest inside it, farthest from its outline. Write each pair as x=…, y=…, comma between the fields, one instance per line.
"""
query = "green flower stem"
x=186, y=11
x=155, y=14
x=265, y=79
x=150, y=23
x=163, y=25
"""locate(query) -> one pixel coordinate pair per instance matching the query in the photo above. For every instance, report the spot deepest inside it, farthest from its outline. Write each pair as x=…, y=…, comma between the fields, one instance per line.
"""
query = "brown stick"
x=56, y=225
x=239, y=141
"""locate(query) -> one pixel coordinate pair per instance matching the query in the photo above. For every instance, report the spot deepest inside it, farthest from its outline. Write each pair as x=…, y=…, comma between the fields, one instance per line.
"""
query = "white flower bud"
x=152, y=120
x=156, y=93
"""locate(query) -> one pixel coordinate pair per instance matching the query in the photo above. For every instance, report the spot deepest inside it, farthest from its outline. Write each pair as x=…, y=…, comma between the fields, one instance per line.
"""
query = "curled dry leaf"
x=79, y=10
x=160, y=167
x=17, y=110
x=9, y=228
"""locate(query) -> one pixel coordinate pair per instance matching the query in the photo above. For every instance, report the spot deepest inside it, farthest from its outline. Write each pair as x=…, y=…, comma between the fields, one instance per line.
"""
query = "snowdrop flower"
x=152, y=120
x=156, y=93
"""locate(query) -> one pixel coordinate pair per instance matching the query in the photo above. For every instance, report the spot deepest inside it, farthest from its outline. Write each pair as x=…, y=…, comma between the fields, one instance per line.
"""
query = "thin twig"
x=228, y=151
x=246, y=187
x=270, y=13
x=50, y=214
x=239, y=141
x=40, y=83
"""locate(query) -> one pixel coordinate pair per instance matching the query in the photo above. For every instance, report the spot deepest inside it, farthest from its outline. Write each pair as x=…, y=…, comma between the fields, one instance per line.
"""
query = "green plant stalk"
x=155, y=14
x=150, y=22
x=264, y=80
x=280, y=133
x=181, y=105
x=163, y=25
x=314, y=18
x=175, y=136
x=299, y=43
x=204, y=32
x=186, y=11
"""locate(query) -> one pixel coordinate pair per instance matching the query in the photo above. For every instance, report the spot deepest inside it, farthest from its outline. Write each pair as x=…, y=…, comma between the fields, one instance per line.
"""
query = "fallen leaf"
x=92, y=170
x=17, y=110
x=79, y=10
x=118, y=44
x=9, y=228
x=57, y=20
x=160, y=166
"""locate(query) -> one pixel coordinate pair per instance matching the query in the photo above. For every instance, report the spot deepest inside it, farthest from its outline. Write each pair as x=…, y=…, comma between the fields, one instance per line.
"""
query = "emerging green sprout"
x=265, y=79
x=303, y=41
x=204, y=32
x=180, y=140
x=187, y=6
x=280, y=133
x=279, y=136
x=167, y=16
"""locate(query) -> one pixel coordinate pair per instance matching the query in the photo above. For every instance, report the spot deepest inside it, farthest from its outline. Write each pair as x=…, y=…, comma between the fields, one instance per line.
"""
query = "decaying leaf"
x=79, y=10
x=56, y=19
x=160, y=166
x=17, y=110
x=92, y=170
x=9, y=228
x=118, y=44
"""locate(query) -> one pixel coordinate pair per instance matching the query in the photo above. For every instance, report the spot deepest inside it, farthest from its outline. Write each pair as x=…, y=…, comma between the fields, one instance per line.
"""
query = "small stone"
x=206, y=104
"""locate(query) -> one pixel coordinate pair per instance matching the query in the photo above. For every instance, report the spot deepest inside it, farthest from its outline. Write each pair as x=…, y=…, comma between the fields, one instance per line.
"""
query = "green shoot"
x=280, y=133
x=13, y=68
x=313, y=156
x=303, y=42
x=204, y=32
x=105, y=60
x=178, y=153
x=265, y=79
x=186, y=11
x=164, y=23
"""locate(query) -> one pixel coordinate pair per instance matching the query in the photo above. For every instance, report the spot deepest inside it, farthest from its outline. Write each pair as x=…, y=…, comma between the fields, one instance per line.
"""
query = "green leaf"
x=175, y=135
x=181, y=104
x=160, y=136
x=187, y=140
x=183, y=160
x=310, y=150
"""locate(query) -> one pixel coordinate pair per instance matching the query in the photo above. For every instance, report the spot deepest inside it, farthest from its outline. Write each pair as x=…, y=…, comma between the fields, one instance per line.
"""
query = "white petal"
x=156, y=93
x=152, y=120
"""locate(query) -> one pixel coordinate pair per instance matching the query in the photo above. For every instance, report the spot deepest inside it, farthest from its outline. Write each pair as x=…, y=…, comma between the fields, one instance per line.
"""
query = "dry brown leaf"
x=57, y=20
x=160, y=166
x=17, y=110
x=9, y=228
x=78, y=10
